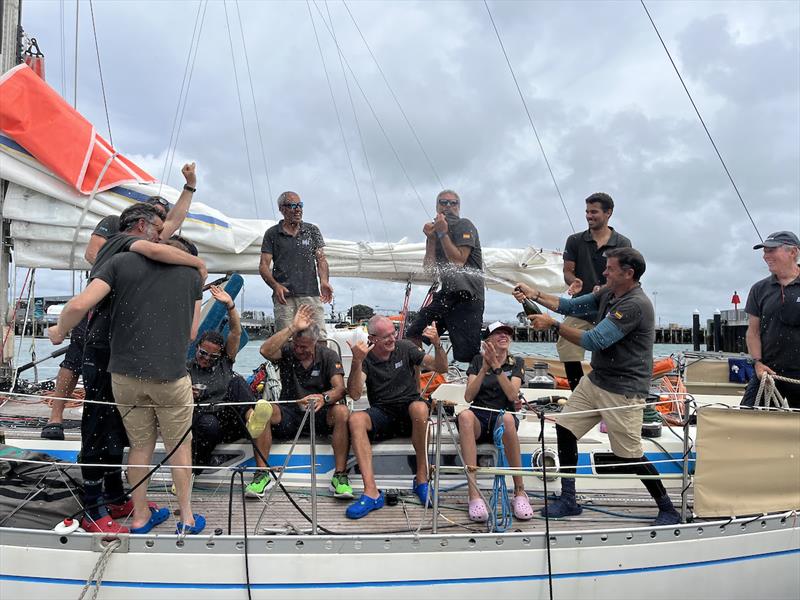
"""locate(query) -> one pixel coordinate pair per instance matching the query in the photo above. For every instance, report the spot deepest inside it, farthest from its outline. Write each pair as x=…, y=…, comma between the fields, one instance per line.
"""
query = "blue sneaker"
x=423, y=492
x=363, y=506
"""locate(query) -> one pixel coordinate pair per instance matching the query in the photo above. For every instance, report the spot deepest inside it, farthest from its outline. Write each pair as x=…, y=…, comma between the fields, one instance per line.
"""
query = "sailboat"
x=742, y=541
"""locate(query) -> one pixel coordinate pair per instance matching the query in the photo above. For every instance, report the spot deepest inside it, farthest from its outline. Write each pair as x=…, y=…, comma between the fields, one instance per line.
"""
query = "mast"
x=10, y=55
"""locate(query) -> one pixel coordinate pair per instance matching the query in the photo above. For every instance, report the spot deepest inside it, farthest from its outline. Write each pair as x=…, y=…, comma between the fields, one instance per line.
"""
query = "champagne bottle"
x=529, y=306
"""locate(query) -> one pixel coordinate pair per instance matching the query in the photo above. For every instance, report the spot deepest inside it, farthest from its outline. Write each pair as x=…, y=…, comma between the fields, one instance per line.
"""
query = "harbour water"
x=249, y=357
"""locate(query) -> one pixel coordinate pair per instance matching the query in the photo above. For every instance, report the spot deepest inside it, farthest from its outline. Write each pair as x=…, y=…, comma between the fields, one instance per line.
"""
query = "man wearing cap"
x=453, y=251
x=71, y=366
x=615, y=390
x=773, y=309
x=389, y=368
x=584, y=263
x=292, y=258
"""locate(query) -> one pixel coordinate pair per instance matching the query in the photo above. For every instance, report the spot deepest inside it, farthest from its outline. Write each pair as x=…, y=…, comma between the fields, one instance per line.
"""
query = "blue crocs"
x=199, y=525
x=363, y=506
x=423, y=492
x=157, y=516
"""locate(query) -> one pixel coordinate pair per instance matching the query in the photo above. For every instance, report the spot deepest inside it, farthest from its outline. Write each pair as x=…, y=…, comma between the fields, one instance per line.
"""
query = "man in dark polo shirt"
x=584, y=264
x=154, y=313
x=71, y=366
x=453, y=251
x=773, y=308
x=390, y=370
x=310, y=373
x=622, y=365
x=292, y=258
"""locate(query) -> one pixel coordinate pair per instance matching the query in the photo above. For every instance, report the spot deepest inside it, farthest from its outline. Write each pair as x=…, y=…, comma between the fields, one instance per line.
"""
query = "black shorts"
x=73, y=359
x=389, y=421
x=458, y=313
x=102, y=431
x=487, y=420
x=292, y=415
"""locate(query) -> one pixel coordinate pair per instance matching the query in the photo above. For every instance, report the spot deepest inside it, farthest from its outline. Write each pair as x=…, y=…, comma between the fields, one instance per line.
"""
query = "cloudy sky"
x=611, y=113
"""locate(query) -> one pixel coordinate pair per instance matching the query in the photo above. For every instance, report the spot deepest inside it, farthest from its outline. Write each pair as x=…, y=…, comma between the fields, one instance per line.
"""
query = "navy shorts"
x=292, y=415
x=389, y=421
x=460, y=314
x=487, y=420
x=73, y=359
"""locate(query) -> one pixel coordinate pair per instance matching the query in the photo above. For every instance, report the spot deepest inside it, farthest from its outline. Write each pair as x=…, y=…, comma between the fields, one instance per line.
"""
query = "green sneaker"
x=340, y=486
x=259, y=486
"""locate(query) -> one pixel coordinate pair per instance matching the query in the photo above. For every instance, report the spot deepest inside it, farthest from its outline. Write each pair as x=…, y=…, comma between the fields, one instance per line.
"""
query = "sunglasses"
x=382, y=338
x=160, y=201
x=209, y=355
x=448, y=202
x=292, y=205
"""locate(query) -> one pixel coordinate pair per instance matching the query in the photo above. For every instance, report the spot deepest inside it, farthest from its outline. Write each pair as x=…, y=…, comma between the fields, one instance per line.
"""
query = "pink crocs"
x=522, y=508
x=478, y=511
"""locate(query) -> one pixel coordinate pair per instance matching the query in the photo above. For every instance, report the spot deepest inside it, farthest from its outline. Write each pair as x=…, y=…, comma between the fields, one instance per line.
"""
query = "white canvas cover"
x=44, y=212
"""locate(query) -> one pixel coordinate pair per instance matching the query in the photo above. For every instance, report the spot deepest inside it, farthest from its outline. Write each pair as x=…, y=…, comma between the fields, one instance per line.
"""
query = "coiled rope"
x=499, y=503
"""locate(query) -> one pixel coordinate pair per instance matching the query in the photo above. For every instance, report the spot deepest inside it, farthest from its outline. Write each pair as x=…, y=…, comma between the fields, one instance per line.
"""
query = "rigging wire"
x=255, y=110
x=241, y=108
x=528, y=112
x=75, y=80
x=361, y=141
x=339, y=120
x=61, y=19
x=394, y=96
x=100, y=70
x=702, y=122
x=377, y=120
x=186, y=82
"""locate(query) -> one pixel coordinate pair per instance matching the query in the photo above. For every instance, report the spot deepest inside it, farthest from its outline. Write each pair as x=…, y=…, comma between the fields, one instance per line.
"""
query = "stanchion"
x=312, y=424
x=685, y=479
x=437, y=464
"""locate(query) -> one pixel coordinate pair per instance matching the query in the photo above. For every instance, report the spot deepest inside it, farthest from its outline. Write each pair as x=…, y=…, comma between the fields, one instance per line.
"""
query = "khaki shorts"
x=284, y=313
x=172, y=414
x=624, y=425
x=567, y=351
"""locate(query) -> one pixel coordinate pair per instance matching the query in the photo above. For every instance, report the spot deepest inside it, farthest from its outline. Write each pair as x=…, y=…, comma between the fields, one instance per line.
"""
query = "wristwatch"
x=189, y=188
x=497, y=371
x=326, y=398
x=556, y=327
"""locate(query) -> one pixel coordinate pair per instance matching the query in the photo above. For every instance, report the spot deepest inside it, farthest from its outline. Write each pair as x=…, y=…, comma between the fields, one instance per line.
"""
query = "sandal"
x=478, y=511
x=157, y=516
x=522, y=507
x=53, y=431
x=199, y=525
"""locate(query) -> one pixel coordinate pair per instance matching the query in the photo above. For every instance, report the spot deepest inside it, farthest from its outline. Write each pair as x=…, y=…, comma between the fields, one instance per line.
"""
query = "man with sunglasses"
x=214, y=382
x=292, y=259
x=71, y=366
x=615, y=390
x=453, y=253
x=390, y=371
x=311, y=373
x=773, y=309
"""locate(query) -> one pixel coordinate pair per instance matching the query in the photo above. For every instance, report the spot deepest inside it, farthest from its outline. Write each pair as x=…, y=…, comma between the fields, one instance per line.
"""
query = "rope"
x=530, y=118
x=100, y=70
x=99, y=568
x=785, y=379
x=769, y=394
x=702, y=122
x=499, y=503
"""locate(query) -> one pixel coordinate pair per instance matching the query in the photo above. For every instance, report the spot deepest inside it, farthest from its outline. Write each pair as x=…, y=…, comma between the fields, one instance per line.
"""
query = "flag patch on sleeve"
x=466, y=236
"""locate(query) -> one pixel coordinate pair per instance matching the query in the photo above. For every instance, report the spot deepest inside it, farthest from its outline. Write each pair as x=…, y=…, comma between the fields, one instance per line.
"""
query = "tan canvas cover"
x=748, y=462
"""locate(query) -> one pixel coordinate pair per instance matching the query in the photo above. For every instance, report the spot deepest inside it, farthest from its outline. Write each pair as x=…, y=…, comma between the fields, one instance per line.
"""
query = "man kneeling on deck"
x=310, y=373
x=390, y=370
x=622, y=365
x=213, y=382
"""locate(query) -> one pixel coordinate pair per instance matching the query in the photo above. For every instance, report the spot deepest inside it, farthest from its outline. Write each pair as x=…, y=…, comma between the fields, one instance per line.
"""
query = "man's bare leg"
x=66, y=381
x=418, y=411
x=140, y=456
x=337, y=417
x=360, y=424
x=182, y=477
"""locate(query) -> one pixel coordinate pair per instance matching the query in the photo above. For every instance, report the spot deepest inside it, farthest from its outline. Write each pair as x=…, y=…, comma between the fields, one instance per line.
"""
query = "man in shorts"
x=390, y=370
x=622, y=365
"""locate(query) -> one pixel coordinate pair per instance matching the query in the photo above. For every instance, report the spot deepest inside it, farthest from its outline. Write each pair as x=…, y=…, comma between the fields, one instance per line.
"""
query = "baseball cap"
x=498, y=326
x=779, y=238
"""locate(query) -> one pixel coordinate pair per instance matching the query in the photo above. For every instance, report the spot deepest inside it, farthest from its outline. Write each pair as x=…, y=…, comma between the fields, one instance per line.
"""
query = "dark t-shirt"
x=151, y=315
x=491, y=395
x=99, y=329
x=778, y=309
x=294, y=262
x=588, y=258
x=470, y=277
x=107, y=227
x=216, y=379
x=394, y=380
x=298, y=382
x=626, y=367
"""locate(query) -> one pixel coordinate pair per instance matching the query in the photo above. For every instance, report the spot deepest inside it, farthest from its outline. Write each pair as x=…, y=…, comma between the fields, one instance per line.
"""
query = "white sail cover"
x=45, y=212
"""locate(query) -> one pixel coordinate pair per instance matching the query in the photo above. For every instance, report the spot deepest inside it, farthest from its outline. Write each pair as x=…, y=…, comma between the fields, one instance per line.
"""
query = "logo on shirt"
x=315, y=373
x=617, y=315
x=305, y=242
x=398, y=364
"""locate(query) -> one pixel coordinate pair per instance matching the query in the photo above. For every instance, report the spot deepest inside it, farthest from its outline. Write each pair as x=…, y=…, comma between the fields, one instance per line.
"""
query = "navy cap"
x=777, y=239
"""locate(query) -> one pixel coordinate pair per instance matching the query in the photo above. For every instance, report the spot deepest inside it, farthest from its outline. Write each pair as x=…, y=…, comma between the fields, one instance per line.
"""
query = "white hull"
x=755, y=559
